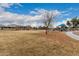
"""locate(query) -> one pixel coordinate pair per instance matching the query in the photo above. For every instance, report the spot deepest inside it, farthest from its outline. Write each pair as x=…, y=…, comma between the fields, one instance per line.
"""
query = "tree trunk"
x=46, y=31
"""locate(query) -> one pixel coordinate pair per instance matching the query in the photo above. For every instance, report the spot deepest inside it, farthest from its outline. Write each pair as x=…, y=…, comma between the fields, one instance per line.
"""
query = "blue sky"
x=27, y=7
x=66, y=10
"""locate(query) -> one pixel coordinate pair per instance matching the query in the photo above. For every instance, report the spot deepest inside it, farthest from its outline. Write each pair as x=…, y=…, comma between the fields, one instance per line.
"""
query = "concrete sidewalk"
x=72, y=35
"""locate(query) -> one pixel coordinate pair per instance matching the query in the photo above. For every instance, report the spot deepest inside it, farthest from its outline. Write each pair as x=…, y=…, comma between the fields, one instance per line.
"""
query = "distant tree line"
x=73, y=24
x=22, y=28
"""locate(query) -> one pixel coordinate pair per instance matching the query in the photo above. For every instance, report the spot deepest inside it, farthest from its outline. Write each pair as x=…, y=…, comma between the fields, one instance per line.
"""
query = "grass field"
x=36, y=43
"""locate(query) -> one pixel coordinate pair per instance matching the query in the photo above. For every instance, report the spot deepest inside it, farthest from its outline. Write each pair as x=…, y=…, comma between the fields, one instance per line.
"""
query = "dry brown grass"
x=37, y=43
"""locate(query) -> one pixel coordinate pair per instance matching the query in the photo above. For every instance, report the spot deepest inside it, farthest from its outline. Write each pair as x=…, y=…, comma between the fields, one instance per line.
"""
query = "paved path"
x=72, y=35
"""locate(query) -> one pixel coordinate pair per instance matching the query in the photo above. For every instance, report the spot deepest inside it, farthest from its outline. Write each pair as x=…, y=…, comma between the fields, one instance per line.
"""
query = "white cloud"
x=7, y=18
x=67, y=10
x=19, y=4
x=6, y=5
x=42, y=13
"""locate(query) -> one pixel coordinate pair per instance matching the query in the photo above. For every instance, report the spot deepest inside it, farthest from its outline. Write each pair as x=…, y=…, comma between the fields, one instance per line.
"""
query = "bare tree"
x=49, y=19
x=47, y=22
